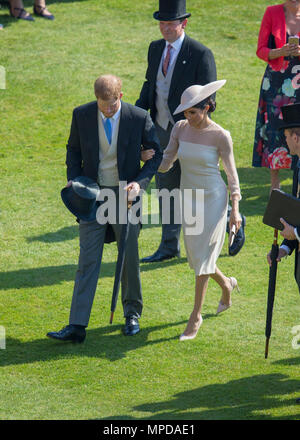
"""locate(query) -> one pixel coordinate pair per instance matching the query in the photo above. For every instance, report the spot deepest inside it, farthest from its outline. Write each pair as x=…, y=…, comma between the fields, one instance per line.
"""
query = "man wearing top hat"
x=175, y=62
x=291, y=242
x=104, y=146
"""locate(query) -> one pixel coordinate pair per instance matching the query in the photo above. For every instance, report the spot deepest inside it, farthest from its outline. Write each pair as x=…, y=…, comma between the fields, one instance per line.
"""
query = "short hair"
x=294, y=130
x=108, y=87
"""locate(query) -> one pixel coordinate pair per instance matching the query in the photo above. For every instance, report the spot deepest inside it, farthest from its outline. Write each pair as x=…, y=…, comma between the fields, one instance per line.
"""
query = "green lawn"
x=222, y=374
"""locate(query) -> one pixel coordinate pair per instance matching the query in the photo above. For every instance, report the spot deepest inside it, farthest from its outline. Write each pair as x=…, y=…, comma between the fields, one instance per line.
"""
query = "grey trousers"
x=170, y=238
x=92, y=236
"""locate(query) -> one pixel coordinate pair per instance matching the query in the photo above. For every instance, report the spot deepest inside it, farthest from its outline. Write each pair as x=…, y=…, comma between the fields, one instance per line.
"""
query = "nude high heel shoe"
x=222, y=307
x=184, y=337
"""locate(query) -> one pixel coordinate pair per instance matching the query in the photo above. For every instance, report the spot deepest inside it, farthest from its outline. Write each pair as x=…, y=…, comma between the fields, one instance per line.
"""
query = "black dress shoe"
x=159, y=256
x=69, y=333
x=131, y=326
x=239, y=239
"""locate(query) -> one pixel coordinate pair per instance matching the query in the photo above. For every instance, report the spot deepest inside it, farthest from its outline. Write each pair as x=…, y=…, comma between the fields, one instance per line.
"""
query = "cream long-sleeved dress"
x=199, y=151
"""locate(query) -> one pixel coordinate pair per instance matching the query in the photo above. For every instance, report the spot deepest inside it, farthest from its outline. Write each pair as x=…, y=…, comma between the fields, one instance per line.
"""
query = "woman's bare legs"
x=200, y=290
x=195, y=317
x=225, y=284
x=17, y=9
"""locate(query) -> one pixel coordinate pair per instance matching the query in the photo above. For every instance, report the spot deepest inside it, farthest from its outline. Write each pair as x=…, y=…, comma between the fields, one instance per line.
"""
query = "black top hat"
x=80, y=198
x=170, y=10
x=291, y=116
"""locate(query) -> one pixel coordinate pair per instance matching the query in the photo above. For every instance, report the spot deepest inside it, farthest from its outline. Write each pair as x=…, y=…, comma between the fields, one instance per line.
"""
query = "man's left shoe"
x=131, y=326
x=239, y=239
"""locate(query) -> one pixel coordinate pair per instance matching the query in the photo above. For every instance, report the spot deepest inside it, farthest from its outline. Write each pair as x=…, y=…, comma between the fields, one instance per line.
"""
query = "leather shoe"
x=239, y=239
x=159, y=256
x=131, y=326
x=69, y=333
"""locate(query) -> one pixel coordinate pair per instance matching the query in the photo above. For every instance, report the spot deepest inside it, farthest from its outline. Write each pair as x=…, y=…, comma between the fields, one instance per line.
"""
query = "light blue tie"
x=107, y=127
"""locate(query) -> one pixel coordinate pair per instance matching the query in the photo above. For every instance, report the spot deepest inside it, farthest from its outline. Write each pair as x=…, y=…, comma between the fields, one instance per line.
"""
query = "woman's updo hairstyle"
x=208, y=101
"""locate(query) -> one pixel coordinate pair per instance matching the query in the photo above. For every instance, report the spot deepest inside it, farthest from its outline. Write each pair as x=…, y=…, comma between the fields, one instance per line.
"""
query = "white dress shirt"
x=113, y=119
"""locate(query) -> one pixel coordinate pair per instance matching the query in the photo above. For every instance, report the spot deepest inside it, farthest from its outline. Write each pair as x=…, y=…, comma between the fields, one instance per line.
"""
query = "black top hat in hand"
x=81, y=198
x=291, y=116
x=170, y=10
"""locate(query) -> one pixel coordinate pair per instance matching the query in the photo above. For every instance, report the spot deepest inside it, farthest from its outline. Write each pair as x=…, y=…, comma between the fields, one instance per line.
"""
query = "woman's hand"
x=294, y=50
x=235, y=219
x=284, y=51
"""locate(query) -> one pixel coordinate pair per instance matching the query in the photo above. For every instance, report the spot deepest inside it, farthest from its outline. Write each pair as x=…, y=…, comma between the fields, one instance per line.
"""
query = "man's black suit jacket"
x=195, y=64
x=136, y=129
x=294, y=244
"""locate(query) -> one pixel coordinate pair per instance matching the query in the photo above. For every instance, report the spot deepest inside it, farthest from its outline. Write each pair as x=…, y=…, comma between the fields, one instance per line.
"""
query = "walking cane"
x=120, y=263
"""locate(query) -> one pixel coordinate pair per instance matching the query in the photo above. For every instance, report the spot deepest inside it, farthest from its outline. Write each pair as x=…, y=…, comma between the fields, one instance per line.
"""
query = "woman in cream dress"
x=199, y=143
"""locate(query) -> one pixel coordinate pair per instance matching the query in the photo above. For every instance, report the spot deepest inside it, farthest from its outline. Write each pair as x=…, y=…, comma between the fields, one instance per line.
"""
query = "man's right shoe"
x=159, y=256
x=69, y=333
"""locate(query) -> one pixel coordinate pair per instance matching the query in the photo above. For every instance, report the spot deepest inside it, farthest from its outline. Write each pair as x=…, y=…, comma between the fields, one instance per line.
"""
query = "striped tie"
x=167, y=60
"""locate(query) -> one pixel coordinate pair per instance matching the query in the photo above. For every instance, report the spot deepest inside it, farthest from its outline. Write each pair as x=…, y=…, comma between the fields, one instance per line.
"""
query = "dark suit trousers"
x=170, y=180
x=92, y=236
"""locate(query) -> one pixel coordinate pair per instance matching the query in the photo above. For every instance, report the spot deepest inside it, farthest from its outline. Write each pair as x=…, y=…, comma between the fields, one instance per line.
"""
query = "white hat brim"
x=201, y=93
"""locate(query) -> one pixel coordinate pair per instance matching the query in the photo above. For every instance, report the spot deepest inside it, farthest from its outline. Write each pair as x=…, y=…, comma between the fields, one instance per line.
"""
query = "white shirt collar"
x=115, y=117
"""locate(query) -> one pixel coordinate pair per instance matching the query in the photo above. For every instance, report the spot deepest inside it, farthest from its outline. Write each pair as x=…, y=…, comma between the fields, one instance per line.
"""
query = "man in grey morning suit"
x=291, y=234
x=108, y=156
x=175, y=63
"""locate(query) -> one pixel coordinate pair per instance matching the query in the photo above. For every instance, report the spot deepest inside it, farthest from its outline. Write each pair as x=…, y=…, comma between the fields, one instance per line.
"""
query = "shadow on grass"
x=106, y=342
x=52, y=275
x=62, y=234
x=290, y=361
x=240, y=399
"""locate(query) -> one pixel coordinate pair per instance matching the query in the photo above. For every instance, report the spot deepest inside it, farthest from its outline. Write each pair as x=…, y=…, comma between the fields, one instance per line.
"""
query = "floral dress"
x=278, y=88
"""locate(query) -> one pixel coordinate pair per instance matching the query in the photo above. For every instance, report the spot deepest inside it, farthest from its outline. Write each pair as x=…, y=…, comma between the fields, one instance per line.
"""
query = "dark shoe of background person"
x=239, y=239
x=39, y=11
x=69, y=333
x=159, y=256
x=298, y=400
x=22, y=14
x=131, y=326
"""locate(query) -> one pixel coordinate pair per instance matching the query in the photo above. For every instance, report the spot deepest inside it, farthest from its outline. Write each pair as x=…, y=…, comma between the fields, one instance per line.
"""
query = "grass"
x=222, y=374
